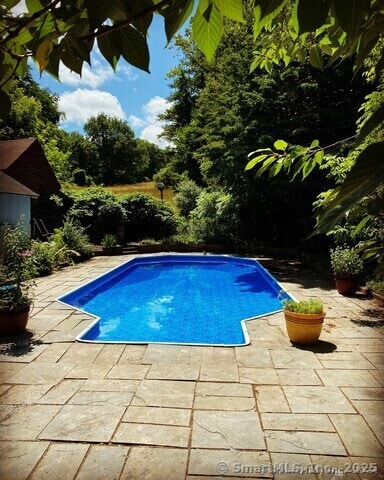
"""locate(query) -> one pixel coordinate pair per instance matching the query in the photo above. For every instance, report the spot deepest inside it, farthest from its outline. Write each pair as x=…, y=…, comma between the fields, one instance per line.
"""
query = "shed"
x=27, y=182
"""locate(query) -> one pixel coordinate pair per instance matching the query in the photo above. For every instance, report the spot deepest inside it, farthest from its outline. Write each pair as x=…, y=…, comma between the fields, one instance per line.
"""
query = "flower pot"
x=13, y=321
x=304, y=328
x=347, y=285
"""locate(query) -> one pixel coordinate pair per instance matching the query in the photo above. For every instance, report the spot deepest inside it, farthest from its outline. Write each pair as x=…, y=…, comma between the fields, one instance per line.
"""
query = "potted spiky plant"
x=304, y=320
x=347, y=266
x=16, y=280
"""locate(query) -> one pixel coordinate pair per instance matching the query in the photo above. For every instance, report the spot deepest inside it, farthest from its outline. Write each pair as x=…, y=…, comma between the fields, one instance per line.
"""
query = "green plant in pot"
x=304, y=320
x=347, y=267
x=109, y=244
x=17, y=271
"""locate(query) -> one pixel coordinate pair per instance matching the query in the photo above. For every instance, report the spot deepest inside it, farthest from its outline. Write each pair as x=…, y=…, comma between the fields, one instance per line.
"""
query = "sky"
x=129, y=94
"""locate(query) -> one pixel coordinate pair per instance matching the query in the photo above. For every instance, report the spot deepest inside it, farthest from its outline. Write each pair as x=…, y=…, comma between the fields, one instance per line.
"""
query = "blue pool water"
x=183, y=299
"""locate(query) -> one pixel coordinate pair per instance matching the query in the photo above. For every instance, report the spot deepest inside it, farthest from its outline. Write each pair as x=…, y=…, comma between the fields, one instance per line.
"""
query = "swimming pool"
x=178, y=299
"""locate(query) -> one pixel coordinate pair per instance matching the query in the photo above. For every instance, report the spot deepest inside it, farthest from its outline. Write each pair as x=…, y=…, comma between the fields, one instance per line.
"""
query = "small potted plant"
x=17, y=271
x=347, y=266
x=110, y=246
x=304, y=320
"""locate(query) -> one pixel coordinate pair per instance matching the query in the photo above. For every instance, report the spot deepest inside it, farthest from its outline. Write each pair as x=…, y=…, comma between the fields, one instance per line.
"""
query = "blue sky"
x=130, y=94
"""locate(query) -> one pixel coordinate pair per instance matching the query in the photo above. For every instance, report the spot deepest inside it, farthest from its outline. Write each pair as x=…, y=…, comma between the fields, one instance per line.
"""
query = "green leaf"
x=264, y=12
x=42, y=54
x=280, y=145
x=69, y=55
x=175, y=16
x=232, y=9
x=350, y=14
x=54, y=63
x=5, y=105
x=109, y=49
x=311, y=14
x=361, y=224
x=318, y=157
x=98, y=11
x=207, y=29
x=315, y=57
x=266, y=164
x=315, y=143
x=364, y=177
x=33, y=6
x=133, y=47
x=255, y=161
x=371, y=123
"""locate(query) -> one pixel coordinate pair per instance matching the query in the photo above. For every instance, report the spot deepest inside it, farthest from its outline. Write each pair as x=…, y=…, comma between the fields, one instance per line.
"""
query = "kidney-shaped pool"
x=178, y=299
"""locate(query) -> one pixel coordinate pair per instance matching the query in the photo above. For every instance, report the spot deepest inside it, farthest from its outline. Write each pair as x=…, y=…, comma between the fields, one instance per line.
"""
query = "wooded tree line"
x=107, y=154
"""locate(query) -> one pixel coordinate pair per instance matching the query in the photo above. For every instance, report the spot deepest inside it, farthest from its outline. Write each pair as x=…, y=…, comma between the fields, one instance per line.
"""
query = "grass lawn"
x=145, y=187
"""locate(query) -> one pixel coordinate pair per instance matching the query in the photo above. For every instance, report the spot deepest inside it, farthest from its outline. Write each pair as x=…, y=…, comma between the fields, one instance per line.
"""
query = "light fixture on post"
x=161, y=187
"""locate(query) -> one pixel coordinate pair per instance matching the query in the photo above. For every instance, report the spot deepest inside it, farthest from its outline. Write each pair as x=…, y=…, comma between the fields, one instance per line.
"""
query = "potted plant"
x=16, y=280
x=304, y=320
x=110, y=246
x=347, y=266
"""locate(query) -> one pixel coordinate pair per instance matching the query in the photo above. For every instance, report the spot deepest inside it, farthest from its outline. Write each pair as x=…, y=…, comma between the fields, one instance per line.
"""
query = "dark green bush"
x=43, y=257
x=98, y=211
x=147, y=217
x=186, y=197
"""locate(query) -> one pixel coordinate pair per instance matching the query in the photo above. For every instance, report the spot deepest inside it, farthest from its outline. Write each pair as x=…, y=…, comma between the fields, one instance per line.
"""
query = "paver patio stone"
x=357, y=436
x=53, y=352
x=155, y=463
x=297, y=421
x=39, y=373
x=304, y=442
x=376, y=422
x=79, y=423
x=103, y=462
x=219, y=373
x=173, y=372
x=149, y=434
x=7, y=369
x=295, y=358
x=253, y=357
x=224, y=389
x=239, y=430
x=261, y=376
x=133, y=354
x=110, y=385
x=224, y=403
x=63, y=458
x=27, y=421
x=24, y=395
x=352, y=378
x=298, y=376
x=372, y=464
x=158, y=416
x=11, y=452
x=122, y=399
x=317, y=399
x=369, y=407
x=110, y=354
x=361, y=393
x=81, y=353
x=128, y=372
x=229, y=463
x=61, y=392
x=377, y=359
x=332, y=468
x=164, y=393
x=168, y=354
x=271, y=398
x=22, y=353
x=292, y=465
x=87, y=371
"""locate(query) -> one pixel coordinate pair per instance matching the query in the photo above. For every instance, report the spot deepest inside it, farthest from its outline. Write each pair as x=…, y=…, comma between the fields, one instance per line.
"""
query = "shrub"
x=98, y=211
x=43, y=257
x=377, y=286
x=186, y=197
x=346, y=262
x=214, y=220
x=313, y=305
x=148, y=217
x=109, y=240
x=70, y=242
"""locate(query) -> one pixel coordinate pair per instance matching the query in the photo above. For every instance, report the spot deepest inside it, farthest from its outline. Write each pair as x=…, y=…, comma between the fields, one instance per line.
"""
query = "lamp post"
x=161, y=187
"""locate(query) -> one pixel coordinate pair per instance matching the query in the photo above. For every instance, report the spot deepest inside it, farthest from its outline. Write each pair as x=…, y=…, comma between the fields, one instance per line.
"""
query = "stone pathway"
x=81, y=411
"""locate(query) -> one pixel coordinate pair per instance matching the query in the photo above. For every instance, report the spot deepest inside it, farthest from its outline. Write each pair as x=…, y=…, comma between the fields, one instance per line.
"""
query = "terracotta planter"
x=346, y=285
x=13, y=321
x=304, y=328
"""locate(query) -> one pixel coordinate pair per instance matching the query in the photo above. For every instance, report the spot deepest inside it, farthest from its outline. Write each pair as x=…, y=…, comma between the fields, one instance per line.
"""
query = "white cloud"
x=153, y=127
x=136, y=122
x=128, y=71
x=82, y=104
x=90, y=77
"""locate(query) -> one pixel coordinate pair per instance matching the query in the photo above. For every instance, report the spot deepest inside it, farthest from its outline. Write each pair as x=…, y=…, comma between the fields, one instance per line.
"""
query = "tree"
x=331, y=30
x=117, y=159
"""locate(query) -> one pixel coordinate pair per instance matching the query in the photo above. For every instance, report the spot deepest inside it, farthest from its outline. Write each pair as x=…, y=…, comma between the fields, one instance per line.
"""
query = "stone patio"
x=82, y=411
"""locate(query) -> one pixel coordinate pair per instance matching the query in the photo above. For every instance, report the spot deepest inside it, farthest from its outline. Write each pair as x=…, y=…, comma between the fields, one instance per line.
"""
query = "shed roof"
x=10, y=185
x=10, y=150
